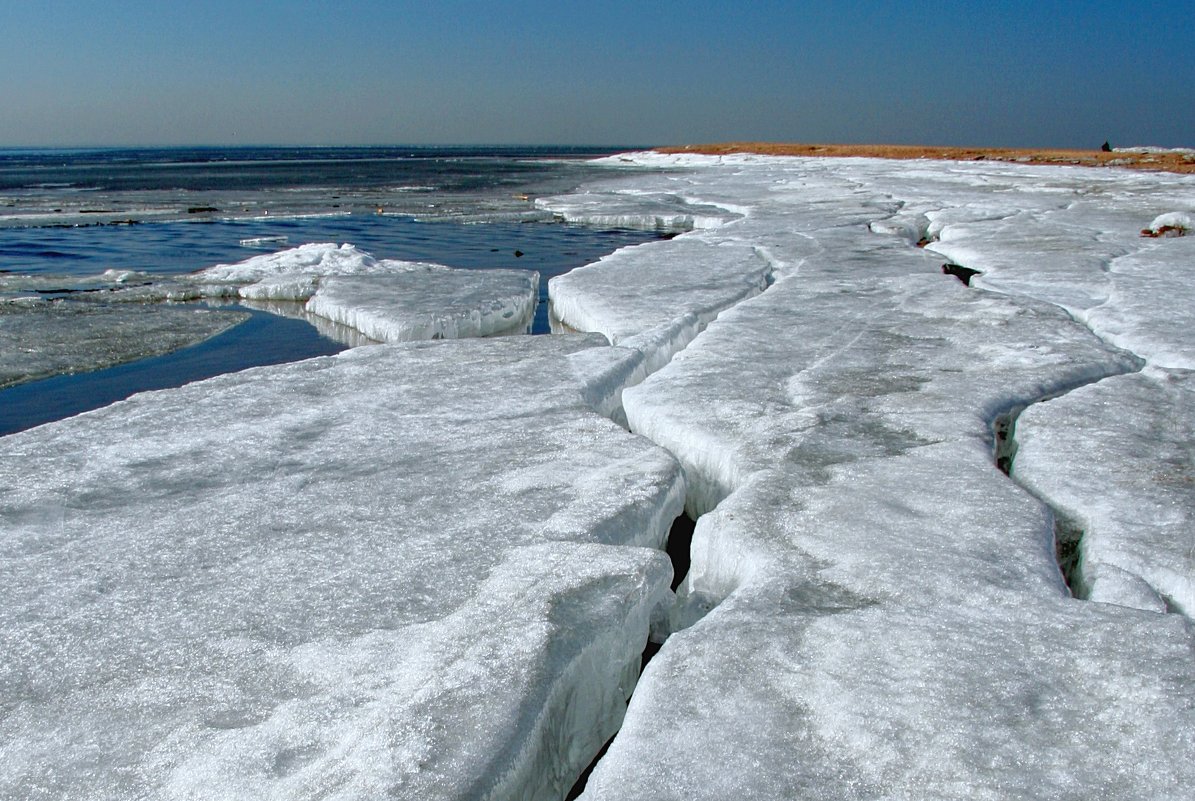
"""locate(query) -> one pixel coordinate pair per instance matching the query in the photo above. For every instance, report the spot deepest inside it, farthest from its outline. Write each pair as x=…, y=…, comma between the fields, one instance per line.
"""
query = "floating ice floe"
x=873, y=609
x=422, y=571
x=386, y=300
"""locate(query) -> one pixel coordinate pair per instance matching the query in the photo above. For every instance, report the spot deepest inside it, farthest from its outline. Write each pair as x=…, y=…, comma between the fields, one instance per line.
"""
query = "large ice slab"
x=656, y=297
x=408, y=570
x=386, y=300
x=1116, y=460
x=873, y=609
x=433, y=303
x=817, y=695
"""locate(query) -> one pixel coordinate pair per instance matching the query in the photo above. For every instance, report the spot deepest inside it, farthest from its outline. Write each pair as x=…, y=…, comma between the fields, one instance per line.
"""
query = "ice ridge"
x=873, y=609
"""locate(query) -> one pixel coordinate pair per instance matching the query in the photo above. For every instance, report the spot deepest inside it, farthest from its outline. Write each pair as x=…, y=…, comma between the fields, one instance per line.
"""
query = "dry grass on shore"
x=1164, y=162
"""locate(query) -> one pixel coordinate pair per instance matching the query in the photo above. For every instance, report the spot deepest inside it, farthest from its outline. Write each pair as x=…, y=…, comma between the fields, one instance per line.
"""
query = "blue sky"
x=312, y=72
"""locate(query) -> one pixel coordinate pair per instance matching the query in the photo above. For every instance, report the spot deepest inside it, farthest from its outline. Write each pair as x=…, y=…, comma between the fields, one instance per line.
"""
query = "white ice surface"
x=888, y=617
x=1117, y=459
x=386, y=300
x=430, y=304
x=411, y=571
x=655, y=297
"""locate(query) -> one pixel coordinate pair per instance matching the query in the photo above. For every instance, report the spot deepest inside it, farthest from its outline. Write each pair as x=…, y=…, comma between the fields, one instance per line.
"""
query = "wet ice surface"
x=47, y=338
x=408, y=570
x=872, y=608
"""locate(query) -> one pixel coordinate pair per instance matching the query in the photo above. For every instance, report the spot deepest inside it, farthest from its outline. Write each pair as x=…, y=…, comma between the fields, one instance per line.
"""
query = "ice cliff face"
x=873, y=608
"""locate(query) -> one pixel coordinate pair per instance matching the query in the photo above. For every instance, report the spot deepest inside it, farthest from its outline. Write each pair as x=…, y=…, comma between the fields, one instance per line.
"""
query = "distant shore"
x=1146, y=159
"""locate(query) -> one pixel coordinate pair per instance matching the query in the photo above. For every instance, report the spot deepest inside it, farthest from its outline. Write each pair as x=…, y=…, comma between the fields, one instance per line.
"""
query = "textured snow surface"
x=417, y=570
x=411, y=571
x=1116, y=458
x=385, y=300
x=873, y=609
x=656, y=297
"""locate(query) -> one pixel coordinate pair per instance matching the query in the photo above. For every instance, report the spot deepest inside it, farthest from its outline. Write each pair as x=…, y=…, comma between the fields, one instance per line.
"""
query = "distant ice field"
x=76, y=226
x=60, y=187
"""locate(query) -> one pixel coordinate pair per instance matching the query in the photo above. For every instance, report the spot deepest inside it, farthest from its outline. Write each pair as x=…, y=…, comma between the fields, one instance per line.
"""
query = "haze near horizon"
x=1013, y=74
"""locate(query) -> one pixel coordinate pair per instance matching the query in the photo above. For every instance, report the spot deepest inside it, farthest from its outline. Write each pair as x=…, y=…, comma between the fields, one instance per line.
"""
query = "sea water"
x=69, y=215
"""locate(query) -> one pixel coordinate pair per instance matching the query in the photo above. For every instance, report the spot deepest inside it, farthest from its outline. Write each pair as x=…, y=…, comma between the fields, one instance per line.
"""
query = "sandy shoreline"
x=1165, y=161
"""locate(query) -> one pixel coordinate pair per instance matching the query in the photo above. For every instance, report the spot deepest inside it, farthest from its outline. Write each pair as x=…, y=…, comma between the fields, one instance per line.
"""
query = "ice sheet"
x=411, y=570
x=385, y=300
x=873, y=609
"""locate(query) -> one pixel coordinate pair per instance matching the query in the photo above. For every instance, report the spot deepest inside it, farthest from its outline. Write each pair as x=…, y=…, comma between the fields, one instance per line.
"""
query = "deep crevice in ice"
x=1068, y=533
x=964, y=274
x=582, y=780
x=680, y=540
x=1067, y=536
x=1003, y=435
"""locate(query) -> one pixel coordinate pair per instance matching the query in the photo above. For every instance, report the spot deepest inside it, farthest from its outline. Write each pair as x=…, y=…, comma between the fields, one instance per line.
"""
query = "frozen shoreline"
x=872, y=609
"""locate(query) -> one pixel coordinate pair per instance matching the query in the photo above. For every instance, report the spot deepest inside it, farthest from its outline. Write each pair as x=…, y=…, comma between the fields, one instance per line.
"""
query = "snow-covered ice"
x=873, y=609
x=405, y=570
x=384, y=299
x=418, y=569
x=1116, y=459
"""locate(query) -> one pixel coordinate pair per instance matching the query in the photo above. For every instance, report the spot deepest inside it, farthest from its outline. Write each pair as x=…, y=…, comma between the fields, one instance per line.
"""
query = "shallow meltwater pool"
x=262, y=339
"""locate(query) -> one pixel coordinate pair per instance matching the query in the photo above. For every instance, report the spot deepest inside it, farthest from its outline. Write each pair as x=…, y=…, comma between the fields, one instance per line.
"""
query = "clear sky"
x=650, y=72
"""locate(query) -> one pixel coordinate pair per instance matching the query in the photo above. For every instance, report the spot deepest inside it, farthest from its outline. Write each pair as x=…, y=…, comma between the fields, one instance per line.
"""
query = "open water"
x=66, y=215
